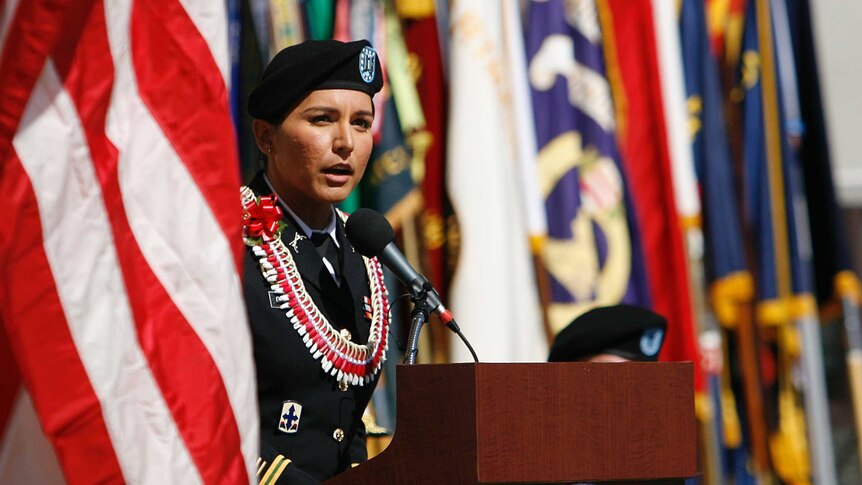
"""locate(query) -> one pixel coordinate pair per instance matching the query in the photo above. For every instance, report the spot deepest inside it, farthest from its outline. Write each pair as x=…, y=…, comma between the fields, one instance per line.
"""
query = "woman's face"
x=319, y=152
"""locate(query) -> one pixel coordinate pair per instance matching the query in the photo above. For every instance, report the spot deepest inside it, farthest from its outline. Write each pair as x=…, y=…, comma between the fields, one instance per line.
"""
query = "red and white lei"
x=347, y=361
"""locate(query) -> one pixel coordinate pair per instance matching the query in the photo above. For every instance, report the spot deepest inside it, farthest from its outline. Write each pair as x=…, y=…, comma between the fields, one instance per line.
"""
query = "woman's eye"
x=320, y=119
x=362, y=123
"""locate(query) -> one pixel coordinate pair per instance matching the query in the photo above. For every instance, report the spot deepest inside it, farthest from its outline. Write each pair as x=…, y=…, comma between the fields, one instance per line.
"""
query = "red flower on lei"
x=262, y=216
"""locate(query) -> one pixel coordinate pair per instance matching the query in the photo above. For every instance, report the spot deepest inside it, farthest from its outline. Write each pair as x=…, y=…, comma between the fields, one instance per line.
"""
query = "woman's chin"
x=336, y=195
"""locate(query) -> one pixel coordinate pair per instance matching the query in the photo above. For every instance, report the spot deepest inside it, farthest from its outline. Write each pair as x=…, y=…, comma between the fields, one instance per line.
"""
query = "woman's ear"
x=262, y=135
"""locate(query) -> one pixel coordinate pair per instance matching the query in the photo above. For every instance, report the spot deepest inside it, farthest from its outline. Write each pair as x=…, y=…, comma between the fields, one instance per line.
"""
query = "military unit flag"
x=537, y=158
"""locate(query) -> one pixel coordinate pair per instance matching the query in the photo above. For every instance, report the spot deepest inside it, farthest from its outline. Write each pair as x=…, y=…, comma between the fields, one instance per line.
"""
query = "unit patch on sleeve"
x=291, y=412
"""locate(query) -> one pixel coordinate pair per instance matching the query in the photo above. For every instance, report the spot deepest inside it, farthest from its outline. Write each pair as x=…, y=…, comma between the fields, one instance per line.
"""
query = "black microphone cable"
x=372, y=236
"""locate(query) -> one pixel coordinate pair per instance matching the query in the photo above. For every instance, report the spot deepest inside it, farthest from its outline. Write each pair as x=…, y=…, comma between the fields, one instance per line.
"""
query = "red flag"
x=421, y=38
x=119, y=252
x=633, y=68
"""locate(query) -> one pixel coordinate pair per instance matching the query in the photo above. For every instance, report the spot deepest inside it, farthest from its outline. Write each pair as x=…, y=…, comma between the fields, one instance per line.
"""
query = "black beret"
x=314, y=64
x=628, y=331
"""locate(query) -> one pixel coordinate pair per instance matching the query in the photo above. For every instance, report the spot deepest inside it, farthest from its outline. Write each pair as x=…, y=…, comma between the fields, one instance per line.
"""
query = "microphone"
x=373, y=236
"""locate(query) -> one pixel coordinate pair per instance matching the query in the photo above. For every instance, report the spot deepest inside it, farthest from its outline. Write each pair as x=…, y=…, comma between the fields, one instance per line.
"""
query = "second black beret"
x=628, y=331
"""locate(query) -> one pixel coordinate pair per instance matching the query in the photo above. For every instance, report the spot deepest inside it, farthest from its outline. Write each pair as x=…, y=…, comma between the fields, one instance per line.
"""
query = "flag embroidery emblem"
x=288, y=422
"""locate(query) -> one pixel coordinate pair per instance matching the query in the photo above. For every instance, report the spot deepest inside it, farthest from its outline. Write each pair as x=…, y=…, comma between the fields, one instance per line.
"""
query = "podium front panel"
x=597, y=422
x=538, y=423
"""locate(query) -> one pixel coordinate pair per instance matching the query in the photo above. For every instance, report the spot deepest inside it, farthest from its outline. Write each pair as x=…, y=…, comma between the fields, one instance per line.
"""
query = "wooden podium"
x=538, y=423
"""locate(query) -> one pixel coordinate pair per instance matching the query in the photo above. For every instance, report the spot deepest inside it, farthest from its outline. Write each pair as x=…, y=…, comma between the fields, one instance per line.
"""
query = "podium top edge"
x=687, y=363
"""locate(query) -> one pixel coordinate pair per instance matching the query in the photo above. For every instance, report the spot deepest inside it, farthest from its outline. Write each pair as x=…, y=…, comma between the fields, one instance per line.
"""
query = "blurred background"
x=541, y=158
x=699, y=157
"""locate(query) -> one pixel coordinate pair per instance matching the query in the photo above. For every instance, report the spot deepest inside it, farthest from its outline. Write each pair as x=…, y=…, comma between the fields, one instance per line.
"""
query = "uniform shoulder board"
x=268, y=473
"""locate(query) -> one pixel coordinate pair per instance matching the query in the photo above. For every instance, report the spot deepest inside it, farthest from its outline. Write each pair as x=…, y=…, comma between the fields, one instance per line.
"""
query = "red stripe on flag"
x=49, y=361
x=181, y=364
x=9, y=376
x=646, y=159
x=192, y=110
x=32, y=34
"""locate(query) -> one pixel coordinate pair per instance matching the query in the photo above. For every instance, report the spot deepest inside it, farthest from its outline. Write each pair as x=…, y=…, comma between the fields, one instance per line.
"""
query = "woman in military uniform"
x=318, y=310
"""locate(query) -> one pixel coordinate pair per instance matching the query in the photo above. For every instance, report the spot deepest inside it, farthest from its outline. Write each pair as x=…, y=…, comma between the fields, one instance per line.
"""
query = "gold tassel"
x=789, y=445
x=731, y=428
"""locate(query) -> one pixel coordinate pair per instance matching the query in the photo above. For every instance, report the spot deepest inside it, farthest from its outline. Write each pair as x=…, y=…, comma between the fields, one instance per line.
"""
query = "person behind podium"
x=611, y=334
x=618, y=333
x=317, y=309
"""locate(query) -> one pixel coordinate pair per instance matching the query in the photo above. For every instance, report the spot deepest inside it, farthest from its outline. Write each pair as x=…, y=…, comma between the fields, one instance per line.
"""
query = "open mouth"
x=339, y=170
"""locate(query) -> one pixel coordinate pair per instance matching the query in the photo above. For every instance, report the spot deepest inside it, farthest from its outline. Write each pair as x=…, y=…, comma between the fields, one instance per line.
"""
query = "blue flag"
x=724, y=257
x=388, y=181
x=713, y=163
x=593, y=253
x=775, y=204
x=776, y=208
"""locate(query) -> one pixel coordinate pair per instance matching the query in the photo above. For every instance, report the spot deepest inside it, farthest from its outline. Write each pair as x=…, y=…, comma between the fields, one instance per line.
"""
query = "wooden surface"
x=538, y=423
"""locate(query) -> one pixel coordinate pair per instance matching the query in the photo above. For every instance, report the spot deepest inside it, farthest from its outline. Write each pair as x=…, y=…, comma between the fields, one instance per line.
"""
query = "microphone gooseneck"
x=372, y=235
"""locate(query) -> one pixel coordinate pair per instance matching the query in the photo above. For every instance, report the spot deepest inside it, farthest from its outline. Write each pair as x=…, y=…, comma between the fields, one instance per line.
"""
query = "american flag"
x=120, y=296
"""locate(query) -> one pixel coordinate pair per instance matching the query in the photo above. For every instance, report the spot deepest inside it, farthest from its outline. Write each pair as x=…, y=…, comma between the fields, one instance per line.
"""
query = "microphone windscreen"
x=369, y=232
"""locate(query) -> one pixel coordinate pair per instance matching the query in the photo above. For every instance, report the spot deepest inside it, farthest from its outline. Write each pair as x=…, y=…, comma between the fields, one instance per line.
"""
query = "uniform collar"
x=305, y=228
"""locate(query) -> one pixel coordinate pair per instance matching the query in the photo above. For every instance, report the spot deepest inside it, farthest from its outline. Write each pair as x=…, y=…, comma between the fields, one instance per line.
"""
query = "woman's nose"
x=343, y=142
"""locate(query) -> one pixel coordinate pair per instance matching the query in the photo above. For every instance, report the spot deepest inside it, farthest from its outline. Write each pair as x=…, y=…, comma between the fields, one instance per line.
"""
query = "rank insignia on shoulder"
x=288, y=422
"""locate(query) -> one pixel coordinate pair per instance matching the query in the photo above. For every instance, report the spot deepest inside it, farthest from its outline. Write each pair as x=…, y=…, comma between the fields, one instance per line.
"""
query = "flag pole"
x=851, y=294
x=688, y=207
x=747, y=344
x=814, y=393
x=816, y=403
x=706, y=329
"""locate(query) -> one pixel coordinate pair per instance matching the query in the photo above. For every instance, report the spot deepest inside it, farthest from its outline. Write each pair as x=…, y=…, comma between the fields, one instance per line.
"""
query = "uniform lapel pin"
x=296, y=238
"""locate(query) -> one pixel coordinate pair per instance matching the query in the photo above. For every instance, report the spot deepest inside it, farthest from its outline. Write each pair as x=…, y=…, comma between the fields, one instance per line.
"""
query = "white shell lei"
x=347, y=361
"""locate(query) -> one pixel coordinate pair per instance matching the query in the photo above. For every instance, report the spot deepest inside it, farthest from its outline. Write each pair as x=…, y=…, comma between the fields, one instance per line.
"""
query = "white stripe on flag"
x=80, y=249
x=210, y=297
x=210, y=18
x=675, y=114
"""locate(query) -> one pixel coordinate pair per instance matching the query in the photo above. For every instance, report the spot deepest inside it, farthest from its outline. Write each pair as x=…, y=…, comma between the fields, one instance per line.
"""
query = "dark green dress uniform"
x=329, y=435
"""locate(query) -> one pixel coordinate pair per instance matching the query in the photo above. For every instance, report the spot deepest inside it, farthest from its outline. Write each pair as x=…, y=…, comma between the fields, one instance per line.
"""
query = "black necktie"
x=326, y=247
